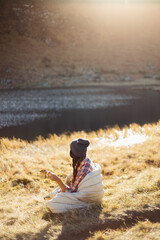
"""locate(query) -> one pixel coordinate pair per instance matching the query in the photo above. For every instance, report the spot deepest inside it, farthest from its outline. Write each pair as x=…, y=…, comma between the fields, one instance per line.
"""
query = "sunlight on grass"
x=143, y=230
x=124, y=139
x=130, y=161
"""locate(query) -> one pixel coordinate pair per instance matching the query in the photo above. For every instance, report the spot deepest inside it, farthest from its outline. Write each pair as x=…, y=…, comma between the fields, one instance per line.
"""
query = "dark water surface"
x=28, y=113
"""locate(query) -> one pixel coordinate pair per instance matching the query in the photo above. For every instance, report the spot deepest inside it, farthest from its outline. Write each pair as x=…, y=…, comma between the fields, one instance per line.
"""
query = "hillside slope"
x=48, y=44
x=130, y=162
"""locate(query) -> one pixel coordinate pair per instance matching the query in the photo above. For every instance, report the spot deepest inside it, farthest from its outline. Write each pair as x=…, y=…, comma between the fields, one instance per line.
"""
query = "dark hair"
x=76, y=161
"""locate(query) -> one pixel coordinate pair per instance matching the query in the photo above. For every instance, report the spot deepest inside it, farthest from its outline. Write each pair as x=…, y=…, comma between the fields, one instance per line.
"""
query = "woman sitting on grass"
x=86, y=185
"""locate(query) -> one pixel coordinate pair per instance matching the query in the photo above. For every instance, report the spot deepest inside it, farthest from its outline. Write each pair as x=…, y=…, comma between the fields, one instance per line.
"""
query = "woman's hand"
x=55, y=178
x=52, y=176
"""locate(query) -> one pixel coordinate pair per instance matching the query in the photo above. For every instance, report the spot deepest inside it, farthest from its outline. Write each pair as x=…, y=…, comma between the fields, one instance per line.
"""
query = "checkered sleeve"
x=82, y=172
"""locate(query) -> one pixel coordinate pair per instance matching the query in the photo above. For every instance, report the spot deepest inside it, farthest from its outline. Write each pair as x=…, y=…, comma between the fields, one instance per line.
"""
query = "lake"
x=27, y=114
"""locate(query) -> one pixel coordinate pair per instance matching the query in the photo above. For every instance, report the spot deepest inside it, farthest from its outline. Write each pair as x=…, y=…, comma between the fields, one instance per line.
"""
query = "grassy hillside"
x=52, y=43
x=130, y=161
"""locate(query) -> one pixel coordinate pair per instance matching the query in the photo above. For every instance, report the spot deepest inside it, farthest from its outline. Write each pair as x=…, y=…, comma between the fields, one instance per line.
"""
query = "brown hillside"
x=43, y=43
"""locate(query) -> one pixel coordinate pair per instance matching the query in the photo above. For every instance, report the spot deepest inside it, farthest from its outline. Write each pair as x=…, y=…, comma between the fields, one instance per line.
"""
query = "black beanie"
x=79, y=147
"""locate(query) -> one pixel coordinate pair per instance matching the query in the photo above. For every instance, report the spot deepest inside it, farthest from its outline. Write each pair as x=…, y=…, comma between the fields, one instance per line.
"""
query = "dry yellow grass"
x=143, y=230
x=131, y=176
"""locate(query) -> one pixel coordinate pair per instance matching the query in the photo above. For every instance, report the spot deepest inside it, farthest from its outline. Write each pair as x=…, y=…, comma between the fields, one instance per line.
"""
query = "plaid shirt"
x=84, y=168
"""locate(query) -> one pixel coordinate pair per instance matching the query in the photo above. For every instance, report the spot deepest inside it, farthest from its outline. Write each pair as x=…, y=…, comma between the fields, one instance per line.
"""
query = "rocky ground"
x=49, y=44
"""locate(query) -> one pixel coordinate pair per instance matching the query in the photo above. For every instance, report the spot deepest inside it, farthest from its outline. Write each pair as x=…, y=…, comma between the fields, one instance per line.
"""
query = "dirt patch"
x=21, y=182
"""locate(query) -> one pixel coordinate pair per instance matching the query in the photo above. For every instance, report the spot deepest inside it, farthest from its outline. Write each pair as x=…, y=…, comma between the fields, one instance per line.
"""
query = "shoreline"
x=141, y=84
x=44, y=110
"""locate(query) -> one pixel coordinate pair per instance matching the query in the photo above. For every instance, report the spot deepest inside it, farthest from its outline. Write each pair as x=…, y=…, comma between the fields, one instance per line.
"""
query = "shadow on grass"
x=30, y=236
x=84, y=229
x=76, y=219
x=128, y=219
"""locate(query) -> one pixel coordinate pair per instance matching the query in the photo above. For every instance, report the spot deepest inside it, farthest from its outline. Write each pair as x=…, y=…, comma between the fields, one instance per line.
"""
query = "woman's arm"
x=57, y=179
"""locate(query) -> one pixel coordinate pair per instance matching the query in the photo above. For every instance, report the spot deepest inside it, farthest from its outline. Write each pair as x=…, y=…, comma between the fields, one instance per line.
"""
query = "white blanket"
x=90, y=190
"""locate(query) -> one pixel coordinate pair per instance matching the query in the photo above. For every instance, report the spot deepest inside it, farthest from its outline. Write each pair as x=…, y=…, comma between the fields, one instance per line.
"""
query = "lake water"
x=28, y=113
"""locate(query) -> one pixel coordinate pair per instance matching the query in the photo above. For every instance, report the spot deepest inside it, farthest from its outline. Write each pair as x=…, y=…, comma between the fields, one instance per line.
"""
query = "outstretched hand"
x=55, y=178
x=52, y=176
